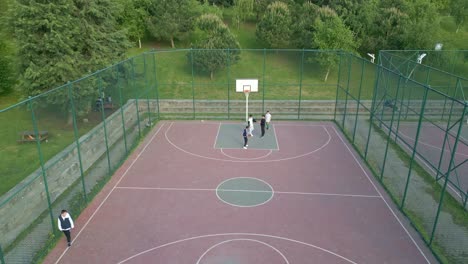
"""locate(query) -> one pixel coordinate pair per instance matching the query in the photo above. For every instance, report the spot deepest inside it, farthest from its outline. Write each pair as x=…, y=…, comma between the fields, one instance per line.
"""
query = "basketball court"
x=191, y=194
x=435, y=152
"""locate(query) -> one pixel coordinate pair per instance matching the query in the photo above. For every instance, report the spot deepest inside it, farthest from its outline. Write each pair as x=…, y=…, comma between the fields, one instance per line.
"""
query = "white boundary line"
x=253, y=161
x=380, y=194
x=243, y=239
x=216, y=139
x=256, y=158
x=244, y=206
x=239, y=234
x=276, y=136
x=232, y=190
x=105, y=199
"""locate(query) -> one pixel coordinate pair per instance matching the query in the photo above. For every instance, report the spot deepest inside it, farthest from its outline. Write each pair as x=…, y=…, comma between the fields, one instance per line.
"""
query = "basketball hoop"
x=246, y=92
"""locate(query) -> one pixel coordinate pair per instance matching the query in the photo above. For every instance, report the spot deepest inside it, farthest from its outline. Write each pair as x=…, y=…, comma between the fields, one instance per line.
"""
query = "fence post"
x=416, y=138
x=41, y=162
x=105, y=127
x=119, y=87
x=263, y=92
x=445, y=142
x=147, y=88
x=193, y=88
x=156, y=83
x=347, y=90
x=358, y=99
x=390, y=129
x=228, y=79
x=300, y=86
x=374, y=96
x=337, y=87
x=77, y=138
x=454, y=151
x=136, y=97
x=2, y=259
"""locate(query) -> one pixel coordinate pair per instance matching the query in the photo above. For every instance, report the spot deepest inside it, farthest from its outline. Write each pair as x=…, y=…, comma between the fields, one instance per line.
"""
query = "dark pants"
x=67, y=234
x=245, y=141
x=263, y=130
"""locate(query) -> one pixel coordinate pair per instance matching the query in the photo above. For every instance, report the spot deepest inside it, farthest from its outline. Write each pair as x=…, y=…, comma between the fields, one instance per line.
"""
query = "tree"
x=459, y=12
x=405, y=24
x=7, y=74
x=59, y=41
x=359, y=16
x=171, y=19
x=260, y=6
x=274, y=29
x=331, y=33
x=242, y=10
x=210, y=54
x=132, y=17
x=303, y=28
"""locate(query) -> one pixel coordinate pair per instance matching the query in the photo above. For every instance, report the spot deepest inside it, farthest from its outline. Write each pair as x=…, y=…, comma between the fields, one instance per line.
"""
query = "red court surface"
x=162, y=205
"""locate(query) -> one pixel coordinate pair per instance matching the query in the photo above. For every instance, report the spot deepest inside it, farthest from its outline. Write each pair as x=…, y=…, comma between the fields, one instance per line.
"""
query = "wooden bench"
x=30, y=136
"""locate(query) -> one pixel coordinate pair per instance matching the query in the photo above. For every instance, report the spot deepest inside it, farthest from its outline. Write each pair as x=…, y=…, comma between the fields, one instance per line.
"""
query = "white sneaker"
x=245, y=147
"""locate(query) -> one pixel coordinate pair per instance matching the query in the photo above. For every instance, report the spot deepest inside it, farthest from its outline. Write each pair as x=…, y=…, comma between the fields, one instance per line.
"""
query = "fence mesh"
x=405, y=118
x=411, y=136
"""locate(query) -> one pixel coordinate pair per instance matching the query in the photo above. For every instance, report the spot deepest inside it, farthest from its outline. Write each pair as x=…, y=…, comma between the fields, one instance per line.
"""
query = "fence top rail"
x=427, y=66
x=425, y=50
x=241, y=49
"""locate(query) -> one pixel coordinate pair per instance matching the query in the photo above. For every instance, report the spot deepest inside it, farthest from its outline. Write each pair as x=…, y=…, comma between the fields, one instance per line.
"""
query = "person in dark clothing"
x=65, y=224
x=262, y=125
x=245, y=134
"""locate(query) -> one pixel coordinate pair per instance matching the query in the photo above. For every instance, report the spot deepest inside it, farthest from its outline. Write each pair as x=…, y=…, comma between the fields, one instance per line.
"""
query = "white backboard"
x=245, y=84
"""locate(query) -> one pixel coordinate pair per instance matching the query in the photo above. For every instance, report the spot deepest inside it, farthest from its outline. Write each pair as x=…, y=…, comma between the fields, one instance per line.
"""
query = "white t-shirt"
x=268, y=117
x=250, y=122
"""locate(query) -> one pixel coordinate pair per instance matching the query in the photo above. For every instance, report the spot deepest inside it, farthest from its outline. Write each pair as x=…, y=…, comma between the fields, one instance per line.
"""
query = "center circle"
x=244, y=192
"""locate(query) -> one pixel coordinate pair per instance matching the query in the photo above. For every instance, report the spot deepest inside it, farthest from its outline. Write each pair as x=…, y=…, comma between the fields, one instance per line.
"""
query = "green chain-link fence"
x=62, y=146
x=413, y=138
x=443, y=61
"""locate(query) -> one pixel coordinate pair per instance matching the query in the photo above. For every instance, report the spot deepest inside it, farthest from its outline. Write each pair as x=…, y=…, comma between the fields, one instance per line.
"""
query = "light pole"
x=372, y=57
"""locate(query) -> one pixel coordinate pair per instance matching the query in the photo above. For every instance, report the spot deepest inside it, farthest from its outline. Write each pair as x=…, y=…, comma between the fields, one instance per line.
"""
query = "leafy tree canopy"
x=59, y=41
x=170, y=19
x=217, y=37
x=274, y=29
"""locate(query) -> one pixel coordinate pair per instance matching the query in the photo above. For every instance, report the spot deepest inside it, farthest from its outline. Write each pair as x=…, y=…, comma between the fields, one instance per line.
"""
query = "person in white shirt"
x=267, y=119
x=251, y=126
x=65, y=224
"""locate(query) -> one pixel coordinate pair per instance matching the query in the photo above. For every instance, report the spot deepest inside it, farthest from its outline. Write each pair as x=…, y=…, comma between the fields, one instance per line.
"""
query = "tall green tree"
x=210, y=53
x=132, y=17
x=274, y=29
x=332, y=33
x=7, y=74
x=459, y=11
x=172, y=19
x=260, y=6
x=61, y=40
x=303, y=26
x=243, y=9
x=405, y=24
